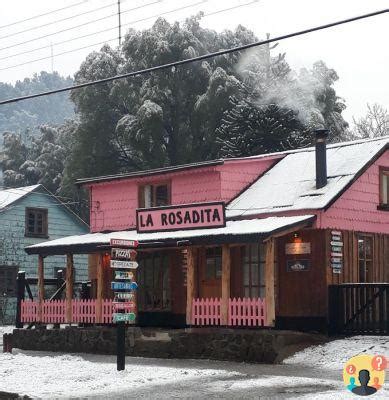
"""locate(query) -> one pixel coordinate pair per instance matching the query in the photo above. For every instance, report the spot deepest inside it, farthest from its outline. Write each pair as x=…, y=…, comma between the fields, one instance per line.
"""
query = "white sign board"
x=124, y=264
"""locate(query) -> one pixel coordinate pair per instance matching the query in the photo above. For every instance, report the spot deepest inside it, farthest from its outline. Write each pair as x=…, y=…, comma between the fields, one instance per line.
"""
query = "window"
x=365, y=258
x=384, y=188
x=213, y=263
x=154, y=284
x=154, y=195
x=253, y=271
x=8, y=276
x=36, y=222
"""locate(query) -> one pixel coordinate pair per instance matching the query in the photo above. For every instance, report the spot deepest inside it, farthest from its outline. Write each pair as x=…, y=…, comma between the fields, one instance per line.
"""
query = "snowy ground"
x=314, y=373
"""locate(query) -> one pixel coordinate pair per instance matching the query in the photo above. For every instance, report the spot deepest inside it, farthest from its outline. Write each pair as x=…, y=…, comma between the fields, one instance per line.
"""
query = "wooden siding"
x=350, y=271
x=302, y=293
x=13, y=240
x=356, y=209
x=113, y=203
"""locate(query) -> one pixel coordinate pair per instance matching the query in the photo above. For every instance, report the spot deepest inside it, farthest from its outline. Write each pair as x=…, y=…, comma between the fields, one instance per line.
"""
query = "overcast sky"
x=357, y=51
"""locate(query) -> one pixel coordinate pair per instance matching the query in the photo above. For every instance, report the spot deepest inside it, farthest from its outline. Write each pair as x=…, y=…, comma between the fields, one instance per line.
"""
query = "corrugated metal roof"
x=156, y=171
x=10, y=195
x=263, y=226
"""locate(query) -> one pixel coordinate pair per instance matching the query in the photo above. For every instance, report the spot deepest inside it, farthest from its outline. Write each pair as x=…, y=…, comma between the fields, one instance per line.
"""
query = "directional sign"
x=124, y=286
x=124, y=275
x=128, y=305
x=124, y=317
x=128, y=254
x=124, y=264
x=124, y=296
x=124, y=243
x=339, y=244
x=336, y=255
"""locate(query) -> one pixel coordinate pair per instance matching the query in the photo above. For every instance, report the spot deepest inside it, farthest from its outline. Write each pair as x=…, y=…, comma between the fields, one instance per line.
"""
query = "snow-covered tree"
x=374, y=124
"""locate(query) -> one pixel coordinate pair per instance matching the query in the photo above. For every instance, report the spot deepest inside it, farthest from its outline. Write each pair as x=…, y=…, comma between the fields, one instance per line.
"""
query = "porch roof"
x=233, y=232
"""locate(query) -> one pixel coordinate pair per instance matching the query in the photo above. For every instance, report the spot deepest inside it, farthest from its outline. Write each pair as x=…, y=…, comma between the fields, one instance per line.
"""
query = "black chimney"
x=321, y=157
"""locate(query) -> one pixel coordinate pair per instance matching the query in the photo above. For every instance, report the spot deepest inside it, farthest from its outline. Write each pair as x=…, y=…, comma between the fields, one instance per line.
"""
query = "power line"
x=44, y=14
x=230, y=8
x=58, y=20
x=198, y=58
x=80, y=25
x=109, y=29
x=106, y=41
x=58, y=54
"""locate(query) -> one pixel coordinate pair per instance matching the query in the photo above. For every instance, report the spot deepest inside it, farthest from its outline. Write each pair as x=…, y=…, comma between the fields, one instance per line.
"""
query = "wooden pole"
x=69, y=286
x=190, y=283
x=41, y=286
x=226, y=282
x=269, y=283
x=20, y=286
x=100, y=288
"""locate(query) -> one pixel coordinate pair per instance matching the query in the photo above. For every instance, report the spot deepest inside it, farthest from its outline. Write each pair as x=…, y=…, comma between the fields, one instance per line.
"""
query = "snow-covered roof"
x=9, y=196
x=263, y=226
x=291, y=184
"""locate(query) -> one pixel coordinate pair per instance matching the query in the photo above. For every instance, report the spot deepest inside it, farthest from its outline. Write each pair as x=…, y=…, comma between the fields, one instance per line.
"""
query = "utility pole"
x=120, y=24
x=52, y=57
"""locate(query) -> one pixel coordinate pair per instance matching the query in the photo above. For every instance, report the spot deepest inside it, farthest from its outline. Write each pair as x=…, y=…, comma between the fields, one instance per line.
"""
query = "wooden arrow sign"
x=127, y=254
x=124, y=296
x=124, y=264
x=124, y=286
x=124, y=305
x=124, y=317
x=124, y=275
x=124, y=243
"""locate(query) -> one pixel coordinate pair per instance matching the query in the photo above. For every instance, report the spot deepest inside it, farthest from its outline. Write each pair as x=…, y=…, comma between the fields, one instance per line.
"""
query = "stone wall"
x=261, y=345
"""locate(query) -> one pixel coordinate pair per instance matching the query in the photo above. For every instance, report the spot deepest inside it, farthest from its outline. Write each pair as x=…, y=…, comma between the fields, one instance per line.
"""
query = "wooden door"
x=210, y=272
x=302, y=289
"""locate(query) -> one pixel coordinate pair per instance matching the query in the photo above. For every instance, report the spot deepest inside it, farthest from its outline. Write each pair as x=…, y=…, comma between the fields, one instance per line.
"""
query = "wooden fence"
x=359, y=308
x=54, y=311
x=241, y=312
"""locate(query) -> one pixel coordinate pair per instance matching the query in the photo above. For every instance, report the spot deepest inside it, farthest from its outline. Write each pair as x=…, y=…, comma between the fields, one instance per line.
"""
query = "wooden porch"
x=229, y=309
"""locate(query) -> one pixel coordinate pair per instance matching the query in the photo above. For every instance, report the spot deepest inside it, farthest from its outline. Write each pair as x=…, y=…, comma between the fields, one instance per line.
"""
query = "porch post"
x=269, y=283
x=100, y=288
x=41, y=286
x=190, y=283
x=226, y=283
x=69, y=286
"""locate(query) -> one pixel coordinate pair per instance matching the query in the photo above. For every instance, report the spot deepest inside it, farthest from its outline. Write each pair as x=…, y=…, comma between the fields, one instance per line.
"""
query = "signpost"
x=336, y=252
x=125, y=286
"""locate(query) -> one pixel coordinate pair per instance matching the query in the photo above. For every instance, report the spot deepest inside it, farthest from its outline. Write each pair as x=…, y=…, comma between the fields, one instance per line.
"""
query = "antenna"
x=52, y=57
x=120, y=24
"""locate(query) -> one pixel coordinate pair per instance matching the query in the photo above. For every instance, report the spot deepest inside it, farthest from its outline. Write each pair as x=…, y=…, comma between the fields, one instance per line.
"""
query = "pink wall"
x=113, y=203
x=238, y=174
x=356, y=209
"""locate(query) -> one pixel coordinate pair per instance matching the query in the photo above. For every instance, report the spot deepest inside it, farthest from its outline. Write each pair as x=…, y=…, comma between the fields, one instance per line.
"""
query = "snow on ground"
x=334, y=354
x=314, y=373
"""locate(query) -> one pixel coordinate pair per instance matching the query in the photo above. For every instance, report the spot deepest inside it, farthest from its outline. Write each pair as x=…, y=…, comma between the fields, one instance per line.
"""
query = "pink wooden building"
x=253, y=241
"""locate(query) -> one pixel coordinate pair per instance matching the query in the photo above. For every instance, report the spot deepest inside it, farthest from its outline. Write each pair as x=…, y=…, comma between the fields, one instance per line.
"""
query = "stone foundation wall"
x=263, y=346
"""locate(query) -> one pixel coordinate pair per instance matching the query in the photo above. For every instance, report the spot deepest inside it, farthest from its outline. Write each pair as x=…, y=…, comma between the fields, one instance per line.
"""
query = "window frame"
x=368, y=272
x=45, y=218
x=213, y=253
x=158, y=272
x=383, y=172
x=260, y=286
x=154, y=186
x=9, y=292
